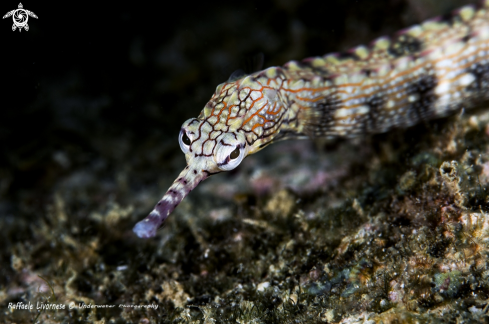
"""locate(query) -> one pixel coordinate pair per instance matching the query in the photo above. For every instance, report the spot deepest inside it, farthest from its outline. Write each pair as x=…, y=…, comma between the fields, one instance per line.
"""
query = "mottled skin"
x=426, y=71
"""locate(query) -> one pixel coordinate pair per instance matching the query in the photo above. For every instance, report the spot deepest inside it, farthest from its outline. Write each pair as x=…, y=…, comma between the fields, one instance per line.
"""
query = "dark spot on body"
x=195, y=171
x=405, y=45
x=367, y=72
x=481, y=73
x=374, y=104
x=323, y=117
x=422, y=108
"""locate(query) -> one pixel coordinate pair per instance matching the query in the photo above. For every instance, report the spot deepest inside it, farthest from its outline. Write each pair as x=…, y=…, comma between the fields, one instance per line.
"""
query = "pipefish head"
x=236, y=122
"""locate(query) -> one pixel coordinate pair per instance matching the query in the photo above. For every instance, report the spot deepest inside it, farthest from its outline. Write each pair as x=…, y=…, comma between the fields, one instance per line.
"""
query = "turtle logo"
x=20, y=17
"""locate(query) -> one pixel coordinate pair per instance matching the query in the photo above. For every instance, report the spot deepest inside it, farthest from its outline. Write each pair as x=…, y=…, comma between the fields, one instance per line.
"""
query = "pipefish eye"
x=229, y=157
x=185, y=138
x=184, y=141
x=234, y=154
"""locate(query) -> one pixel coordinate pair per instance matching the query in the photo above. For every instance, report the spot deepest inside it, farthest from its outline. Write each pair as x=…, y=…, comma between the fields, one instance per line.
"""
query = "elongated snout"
x=188, y=179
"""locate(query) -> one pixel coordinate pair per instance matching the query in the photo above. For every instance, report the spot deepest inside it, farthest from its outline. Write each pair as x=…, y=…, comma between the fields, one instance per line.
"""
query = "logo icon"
x=20, y=17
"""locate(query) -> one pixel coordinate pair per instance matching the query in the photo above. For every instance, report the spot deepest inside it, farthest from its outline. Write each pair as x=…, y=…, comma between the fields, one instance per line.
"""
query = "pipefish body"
x=424, y=72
